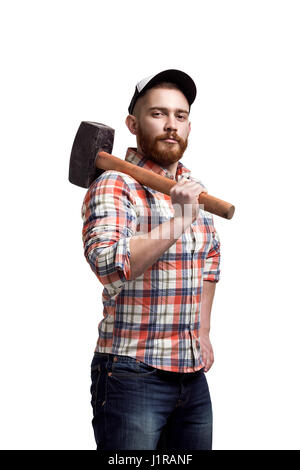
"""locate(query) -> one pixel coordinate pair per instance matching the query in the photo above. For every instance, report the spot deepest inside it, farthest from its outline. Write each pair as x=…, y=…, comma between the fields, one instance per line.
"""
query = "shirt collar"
x=133, y=156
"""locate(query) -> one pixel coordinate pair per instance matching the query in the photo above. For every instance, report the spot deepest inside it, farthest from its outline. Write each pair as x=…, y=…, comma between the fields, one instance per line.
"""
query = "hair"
x=168, y=85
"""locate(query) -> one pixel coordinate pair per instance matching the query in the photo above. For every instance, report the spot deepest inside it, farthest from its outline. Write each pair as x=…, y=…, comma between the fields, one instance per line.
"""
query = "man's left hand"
x=206, y=351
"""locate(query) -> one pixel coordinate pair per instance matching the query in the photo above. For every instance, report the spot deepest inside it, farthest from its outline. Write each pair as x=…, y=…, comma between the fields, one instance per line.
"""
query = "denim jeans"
x=139, y=407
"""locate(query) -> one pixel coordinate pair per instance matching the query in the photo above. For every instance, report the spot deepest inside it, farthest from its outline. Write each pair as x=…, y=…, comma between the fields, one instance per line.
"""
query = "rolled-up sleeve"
x=212, y=262
x=109, y=221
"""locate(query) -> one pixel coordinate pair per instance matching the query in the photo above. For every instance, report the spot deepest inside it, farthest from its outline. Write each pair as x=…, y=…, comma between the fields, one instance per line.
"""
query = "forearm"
x=207, y=297
x=147, y=248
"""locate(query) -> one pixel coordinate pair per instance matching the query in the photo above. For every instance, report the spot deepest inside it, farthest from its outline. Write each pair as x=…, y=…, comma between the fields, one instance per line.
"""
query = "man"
x=158, y=259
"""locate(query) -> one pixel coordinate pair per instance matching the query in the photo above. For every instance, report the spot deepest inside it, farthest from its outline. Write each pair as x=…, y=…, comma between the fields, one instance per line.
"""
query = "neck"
x=172, y=168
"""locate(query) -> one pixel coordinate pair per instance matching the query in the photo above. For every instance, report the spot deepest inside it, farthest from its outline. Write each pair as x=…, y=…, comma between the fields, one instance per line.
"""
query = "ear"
x=189, y=128
x=132, y=124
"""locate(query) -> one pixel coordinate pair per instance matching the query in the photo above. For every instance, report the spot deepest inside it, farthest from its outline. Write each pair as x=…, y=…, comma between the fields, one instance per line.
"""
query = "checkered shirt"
x=154, y=318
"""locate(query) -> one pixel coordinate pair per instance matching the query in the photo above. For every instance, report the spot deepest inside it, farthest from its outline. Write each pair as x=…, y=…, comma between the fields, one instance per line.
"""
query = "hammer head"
x=91, y=138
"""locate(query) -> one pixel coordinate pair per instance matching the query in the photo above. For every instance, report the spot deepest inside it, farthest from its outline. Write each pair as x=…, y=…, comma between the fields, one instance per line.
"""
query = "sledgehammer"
x=91, y=156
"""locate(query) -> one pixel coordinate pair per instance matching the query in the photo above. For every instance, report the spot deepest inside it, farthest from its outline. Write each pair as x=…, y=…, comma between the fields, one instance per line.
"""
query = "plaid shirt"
x=154, y=318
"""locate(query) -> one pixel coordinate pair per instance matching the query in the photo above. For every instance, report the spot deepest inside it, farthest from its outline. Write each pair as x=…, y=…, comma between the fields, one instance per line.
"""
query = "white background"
x=68, y=61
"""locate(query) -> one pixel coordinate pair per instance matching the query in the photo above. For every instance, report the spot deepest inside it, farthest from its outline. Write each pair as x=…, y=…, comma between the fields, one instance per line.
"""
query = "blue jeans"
x=139, y=407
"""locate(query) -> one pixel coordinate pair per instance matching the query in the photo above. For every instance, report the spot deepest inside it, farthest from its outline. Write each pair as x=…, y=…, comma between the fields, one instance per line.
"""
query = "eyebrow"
x=178, y=110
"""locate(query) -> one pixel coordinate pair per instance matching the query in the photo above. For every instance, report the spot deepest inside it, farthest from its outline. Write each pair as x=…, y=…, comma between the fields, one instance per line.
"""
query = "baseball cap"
x=182, y=79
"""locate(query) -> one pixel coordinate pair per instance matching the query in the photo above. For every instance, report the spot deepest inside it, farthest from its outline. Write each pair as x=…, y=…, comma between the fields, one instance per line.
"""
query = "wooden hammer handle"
x=105, y=161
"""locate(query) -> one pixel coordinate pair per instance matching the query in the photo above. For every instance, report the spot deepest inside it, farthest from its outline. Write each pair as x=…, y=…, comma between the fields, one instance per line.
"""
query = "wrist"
x=204, y=330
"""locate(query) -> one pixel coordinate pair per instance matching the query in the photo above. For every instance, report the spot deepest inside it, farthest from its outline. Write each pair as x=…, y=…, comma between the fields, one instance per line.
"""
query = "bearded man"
x=158, y=260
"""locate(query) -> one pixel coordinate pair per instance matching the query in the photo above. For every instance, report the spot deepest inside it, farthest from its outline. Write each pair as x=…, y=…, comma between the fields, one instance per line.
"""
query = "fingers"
x=185, y=195
x=208, y=360
x=191, y=187
x=207, y=353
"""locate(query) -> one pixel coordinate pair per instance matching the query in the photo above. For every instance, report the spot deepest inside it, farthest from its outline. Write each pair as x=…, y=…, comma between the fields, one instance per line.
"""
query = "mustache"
x=169, y=136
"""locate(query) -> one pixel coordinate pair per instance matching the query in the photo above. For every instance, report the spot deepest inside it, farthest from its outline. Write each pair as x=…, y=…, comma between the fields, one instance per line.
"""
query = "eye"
x=157, y=114
x=181, y=117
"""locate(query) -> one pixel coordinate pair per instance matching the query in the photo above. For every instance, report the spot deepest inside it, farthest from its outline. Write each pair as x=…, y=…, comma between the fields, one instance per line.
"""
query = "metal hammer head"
x=91, y=137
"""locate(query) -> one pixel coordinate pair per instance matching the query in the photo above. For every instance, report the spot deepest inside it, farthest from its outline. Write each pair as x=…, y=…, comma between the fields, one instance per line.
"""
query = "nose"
x=170, y=124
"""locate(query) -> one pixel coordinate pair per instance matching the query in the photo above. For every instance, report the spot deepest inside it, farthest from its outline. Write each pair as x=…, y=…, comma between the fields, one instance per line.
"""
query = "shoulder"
x=116, y=178
x=112, y=184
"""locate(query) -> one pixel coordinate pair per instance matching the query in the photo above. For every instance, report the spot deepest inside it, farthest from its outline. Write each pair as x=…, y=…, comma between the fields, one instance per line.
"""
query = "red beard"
x=162, y=153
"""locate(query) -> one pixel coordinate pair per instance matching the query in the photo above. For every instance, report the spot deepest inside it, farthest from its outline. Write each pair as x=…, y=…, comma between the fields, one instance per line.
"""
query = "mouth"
x=170, y=141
